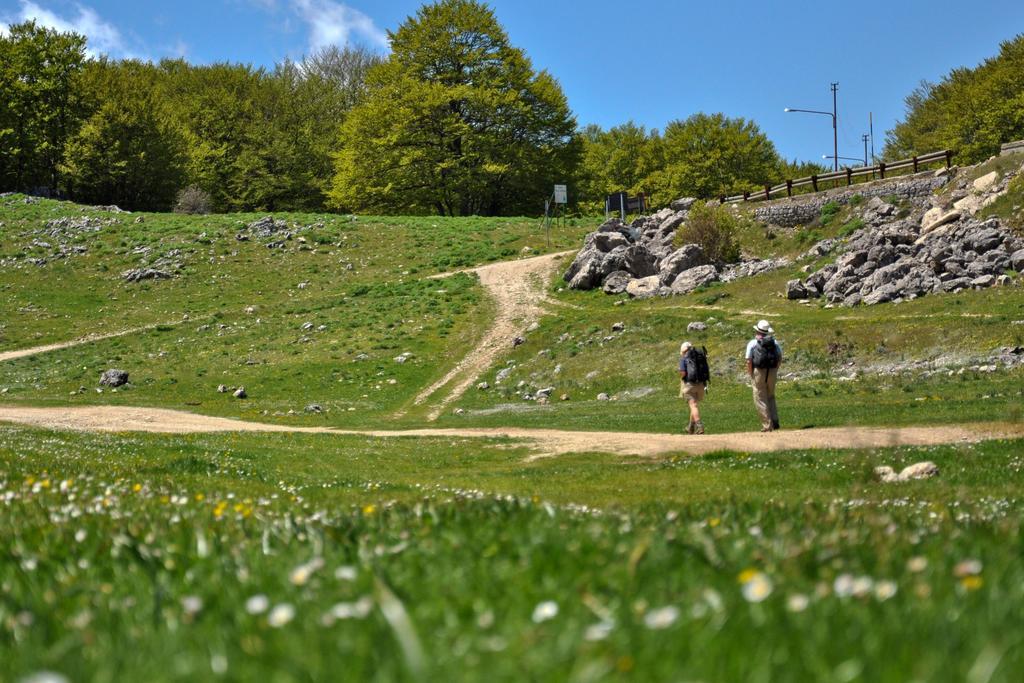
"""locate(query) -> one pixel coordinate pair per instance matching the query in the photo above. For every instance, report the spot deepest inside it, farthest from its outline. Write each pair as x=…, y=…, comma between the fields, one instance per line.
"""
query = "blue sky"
x=649, y=61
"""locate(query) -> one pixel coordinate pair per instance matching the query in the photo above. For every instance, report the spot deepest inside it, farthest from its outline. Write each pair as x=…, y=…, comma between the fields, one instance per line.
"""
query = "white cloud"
x=104, y=38
x=333, y=23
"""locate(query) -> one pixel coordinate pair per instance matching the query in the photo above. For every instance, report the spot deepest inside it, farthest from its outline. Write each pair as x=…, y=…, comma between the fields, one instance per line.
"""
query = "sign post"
x=558, y=199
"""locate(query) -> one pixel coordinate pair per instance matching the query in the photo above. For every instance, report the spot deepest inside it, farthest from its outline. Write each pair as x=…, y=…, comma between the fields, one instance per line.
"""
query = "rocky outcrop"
x=895, y=263
x=940, y=247
x=641, y=260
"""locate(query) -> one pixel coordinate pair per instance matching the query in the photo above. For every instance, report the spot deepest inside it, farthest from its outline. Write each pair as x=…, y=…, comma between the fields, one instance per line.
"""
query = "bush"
x=713, y=228
x=193, y=200
x=828, y=212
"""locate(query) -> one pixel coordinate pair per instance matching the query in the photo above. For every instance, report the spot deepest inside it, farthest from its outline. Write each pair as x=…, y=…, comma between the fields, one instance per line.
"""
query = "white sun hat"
x=683, y=349
x=764, y=328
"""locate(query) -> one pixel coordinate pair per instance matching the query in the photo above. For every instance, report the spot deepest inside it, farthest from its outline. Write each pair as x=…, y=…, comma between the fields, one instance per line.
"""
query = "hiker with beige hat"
x=764, y=356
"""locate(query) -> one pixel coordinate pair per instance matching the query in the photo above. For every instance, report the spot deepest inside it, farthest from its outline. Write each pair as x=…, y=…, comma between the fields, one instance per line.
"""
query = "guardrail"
x=847, y=174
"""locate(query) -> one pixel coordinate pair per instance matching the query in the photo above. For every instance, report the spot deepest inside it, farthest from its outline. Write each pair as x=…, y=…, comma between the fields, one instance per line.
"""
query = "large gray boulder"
x=691, y=279
x=586, y=270
x=606, y=241
x=1017, y=260
x=639, y=261
x=683, y=204
x=616, y=282
x=684, y=258
x=644, y=287
x=795, y=290
x=114, y=378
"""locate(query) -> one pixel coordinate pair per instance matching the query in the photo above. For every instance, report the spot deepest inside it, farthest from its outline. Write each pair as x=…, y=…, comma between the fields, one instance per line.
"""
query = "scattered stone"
x=140, y=274
x=240, y=393
x=503, y=374
x=518, y=341
x=307, y=326
x=459, y=411
x=563, y=397
x=985, y=182
x=314, y=408
x=937, y=217
x=266, y=226
x=546, y=392
x=403, y=357
x=919, y=470
x=684, y=204
x=222, y=389
x=696, y=326
x=618, y=327
x=483, y=386
x=114, y=378
x=603, y=397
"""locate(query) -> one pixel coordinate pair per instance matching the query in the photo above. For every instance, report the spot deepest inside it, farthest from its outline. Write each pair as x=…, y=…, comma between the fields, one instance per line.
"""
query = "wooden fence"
x=847, y=174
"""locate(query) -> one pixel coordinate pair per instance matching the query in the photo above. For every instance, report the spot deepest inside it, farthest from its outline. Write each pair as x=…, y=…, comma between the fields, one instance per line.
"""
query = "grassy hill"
x=293, y=557
x=322, y=318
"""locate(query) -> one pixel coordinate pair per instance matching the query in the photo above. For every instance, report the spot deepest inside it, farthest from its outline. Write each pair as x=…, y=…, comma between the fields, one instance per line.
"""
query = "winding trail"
x=87, y=339
x=544, y=442
x=518, y=289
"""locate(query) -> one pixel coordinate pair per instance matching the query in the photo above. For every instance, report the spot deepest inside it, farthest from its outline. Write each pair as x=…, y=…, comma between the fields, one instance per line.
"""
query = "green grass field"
x=291, y=557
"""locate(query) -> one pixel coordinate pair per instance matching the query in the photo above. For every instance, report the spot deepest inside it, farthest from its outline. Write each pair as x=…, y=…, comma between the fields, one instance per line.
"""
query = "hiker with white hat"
x=764, y=356
x=694, y=374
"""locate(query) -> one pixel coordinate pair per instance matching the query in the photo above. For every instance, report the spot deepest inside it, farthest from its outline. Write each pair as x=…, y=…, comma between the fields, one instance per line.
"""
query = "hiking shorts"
x=691, y=392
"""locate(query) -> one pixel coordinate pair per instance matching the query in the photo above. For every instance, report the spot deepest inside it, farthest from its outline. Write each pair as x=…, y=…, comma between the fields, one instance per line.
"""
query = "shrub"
x=713, y=228
x=828, y=212
x=193, y=200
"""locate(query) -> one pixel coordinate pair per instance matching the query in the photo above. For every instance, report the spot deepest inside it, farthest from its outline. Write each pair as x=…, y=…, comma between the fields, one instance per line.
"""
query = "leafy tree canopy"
x=970, y=111
x=455, y=122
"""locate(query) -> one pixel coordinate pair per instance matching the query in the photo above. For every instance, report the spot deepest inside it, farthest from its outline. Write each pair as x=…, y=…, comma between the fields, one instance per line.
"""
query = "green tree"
x=127, y=152
x=455, y=122
x=710, y=155
x=619, y=159
x=40, y=105
x=970, y=111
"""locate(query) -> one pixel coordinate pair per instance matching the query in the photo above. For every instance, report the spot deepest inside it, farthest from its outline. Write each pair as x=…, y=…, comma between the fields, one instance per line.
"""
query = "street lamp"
x=835, y=134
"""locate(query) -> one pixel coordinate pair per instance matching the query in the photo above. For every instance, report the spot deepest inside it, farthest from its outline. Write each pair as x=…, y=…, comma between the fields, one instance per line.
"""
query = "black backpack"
x=765, y=354
x=697, y=369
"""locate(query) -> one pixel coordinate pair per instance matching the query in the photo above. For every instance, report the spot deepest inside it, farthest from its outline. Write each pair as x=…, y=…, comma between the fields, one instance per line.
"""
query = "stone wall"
x=803, y=209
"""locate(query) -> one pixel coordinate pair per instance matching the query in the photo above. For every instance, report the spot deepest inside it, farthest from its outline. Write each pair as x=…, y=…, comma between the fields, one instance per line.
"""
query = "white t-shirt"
x=753, y=342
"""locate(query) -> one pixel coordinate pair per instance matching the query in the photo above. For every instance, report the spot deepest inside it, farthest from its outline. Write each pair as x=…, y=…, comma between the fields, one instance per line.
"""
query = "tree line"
x=455, y=120
x=970, y=111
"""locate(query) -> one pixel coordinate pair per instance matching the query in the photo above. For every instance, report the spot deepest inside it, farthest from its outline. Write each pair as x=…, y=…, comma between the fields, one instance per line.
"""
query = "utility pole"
x=871, y=130
x=835, y=130
x=865, y=139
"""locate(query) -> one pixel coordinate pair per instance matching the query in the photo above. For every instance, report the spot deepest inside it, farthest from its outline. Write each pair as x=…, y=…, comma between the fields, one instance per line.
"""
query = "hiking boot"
x=766, y=429
x=775, y=424
x=690, y=428
x=698, y=427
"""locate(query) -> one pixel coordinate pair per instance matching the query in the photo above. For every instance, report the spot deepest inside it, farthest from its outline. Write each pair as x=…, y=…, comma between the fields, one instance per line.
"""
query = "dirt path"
x=518, y=289
x=544, y=442
x=88, y=339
